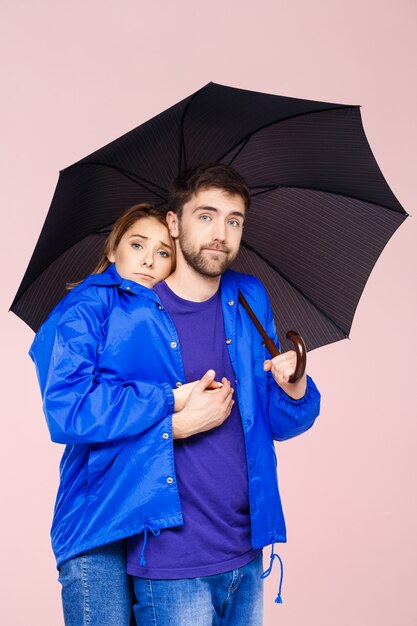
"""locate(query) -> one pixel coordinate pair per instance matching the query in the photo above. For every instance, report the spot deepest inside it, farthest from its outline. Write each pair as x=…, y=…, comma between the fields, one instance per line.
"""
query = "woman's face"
x=145, y=253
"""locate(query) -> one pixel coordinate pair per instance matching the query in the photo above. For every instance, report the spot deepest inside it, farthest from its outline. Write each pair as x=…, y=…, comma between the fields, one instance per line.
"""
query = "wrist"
x=180, y=425
x=296, y=391
x=177, y=400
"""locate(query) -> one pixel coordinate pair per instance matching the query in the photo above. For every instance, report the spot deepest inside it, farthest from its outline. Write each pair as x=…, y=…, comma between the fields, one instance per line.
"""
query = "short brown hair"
x=190, y=181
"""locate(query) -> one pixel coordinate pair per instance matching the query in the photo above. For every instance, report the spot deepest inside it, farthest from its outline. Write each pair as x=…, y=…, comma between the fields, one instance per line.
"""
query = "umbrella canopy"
x=321, y=211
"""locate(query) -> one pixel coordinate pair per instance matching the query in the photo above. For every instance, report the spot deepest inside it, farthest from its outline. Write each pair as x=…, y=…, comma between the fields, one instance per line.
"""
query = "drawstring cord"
x=266, y=573
x=155, y=532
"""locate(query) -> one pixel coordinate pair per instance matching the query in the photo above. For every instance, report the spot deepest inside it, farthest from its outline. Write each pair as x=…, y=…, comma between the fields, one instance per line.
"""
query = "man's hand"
x=204, y=409
x=281, y=368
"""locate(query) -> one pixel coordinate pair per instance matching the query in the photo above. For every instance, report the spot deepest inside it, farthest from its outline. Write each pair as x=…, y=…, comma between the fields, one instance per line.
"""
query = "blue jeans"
x=234, y=598
x=96, y=590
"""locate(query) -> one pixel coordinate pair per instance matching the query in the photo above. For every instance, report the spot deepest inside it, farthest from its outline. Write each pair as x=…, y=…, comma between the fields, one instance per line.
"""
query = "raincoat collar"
x=230, y=283
x=111, y=278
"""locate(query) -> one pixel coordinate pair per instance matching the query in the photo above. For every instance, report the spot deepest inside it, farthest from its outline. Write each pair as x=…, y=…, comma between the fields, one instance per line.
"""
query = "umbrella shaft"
x=270, y=344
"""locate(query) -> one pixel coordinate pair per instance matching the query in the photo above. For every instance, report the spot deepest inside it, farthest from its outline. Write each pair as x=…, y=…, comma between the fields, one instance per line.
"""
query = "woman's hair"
x=121, y=225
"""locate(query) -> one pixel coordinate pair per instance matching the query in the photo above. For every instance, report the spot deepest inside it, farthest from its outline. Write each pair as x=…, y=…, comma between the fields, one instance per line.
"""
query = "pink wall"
x=76, y=75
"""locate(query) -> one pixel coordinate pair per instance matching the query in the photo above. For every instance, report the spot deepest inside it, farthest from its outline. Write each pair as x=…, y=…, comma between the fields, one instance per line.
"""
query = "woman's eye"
x=164, y=253
x=136, y=246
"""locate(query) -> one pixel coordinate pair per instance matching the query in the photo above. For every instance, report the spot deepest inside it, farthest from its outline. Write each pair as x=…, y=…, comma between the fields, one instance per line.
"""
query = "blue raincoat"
x=107, y=359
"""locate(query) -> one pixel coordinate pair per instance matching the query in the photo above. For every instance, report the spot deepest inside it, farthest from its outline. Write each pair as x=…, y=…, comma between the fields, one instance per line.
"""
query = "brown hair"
x=190, y=181
x=121, y=225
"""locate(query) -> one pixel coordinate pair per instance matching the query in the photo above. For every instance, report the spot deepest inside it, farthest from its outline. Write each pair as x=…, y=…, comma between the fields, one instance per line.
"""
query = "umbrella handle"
x=298, y=342
x=300, y=349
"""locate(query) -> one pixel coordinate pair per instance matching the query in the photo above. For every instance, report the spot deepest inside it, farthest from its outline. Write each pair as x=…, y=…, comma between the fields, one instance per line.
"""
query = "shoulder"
x=94, y=292
x=87, y=305
x=87, y=296
x=92, y=299
x=247, y=283
x=82, y=309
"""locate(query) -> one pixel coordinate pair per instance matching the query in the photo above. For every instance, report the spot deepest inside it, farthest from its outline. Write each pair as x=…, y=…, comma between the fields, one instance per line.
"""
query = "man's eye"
x=205, y=218
x=234, y=223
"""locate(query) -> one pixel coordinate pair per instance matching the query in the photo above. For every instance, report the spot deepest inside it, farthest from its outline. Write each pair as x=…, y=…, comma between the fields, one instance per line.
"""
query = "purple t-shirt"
x=210, y=467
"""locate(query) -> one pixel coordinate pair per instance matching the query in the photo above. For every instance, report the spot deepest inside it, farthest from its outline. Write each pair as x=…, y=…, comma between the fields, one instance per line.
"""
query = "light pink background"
x=76, y=75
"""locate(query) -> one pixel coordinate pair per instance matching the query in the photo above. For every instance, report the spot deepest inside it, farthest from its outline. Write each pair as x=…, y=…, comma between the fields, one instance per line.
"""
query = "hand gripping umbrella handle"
x=299, y=345
x=300, y=349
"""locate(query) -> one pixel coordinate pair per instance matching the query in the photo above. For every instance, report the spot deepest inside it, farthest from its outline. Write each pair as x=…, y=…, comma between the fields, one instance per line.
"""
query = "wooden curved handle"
x=299, y=345
x=300, y=349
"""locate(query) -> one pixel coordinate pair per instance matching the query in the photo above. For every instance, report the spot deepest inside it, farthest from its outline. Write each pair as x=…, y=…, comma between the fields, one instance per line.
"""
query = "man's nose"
x=219, y=231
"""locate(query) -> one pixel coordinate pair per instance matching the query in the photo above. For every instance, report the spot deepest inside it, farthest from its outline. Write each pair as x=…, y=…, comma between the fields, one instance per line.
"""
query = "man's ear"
x=172, y=221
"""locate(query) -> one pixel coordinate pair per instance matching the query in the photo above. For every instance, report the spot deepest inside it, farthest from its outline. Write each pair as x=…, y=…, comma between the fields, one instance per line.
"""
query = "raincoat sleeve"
x=288, y=417
x=81, y=405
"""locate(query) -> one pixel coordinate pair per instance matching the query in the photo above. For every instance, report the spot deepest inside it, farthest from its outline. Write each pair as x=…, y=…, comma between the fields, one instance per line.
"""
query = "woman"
x=87, y=354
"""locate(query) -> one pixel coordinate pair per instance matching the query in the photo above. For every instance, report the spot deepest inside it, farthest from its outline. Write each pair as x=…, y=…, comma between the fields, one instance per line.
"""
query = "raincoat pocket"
x=100, y=460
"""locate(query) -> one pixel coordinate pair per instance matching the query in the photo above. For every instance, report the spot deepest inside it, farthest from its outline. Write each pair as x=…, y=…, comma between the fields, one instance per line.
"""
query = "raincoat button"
x=228, y=341
x=165, y=436
x=178, y=384
x=170, y=480
x=128, y=288
x=231, y=302
x=160, y=307
x=173, y=344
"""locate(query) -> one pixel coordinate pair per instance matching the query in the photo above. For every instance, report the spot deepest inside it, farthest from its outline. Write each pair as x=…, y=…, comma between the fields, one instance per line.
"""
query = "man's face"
x=209, y=230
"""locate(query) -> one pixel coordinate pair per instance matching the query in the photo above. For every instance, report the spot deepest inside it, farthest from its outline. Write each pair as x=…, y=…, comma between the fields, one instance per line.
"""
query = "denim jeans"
x=234, y=598
x=96, y=590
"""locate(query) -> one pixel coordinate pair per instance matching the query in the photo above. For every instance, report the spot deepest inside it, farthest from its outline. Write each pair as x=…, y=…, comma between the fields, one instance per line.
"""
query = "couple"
x=159, y=385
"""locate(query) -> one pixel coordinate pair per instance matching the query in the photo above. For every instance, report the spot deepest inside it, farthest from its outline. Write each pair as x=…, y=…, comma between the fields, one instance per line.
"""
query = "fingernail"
x=210, y=373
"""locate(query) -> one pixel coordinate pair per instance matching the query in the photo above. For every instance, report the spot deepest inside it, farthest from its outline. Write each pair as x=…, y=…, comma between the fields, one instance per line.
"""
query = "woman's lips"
x=148, y=276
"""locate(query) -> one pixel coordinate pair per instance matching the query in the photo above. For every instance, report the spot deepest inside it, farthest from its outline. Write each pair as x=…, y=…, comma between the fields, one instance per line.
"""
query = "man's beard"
x=203, y=265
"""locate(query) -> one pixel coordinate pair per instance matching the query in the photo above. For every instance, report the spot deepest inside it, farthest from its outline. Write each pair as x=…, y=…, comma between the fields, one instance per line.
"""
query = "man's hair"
x=192, y=180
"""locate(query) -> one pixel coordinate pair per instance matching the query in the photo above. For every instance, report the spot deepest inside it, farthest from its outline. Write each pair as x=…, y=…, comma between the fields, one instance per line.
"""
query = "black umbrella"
x=321, y=210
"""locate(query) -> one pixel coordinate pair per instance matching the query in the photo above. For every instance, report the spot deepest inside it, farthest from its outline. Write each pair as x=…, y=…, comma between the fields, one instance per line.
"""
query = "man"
x=208, y=569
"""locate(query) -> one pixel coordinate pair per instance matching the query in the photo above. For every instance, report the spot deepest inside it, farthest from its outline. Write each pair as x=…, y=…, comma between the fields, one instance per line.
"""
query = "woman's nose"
x=147, y=260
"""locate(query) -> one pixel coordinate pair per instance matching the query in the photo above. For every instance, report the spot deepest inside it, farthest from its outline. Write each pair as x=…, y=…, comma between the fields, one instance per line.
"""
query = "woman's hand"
x=206, y=407
x=182, y=393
